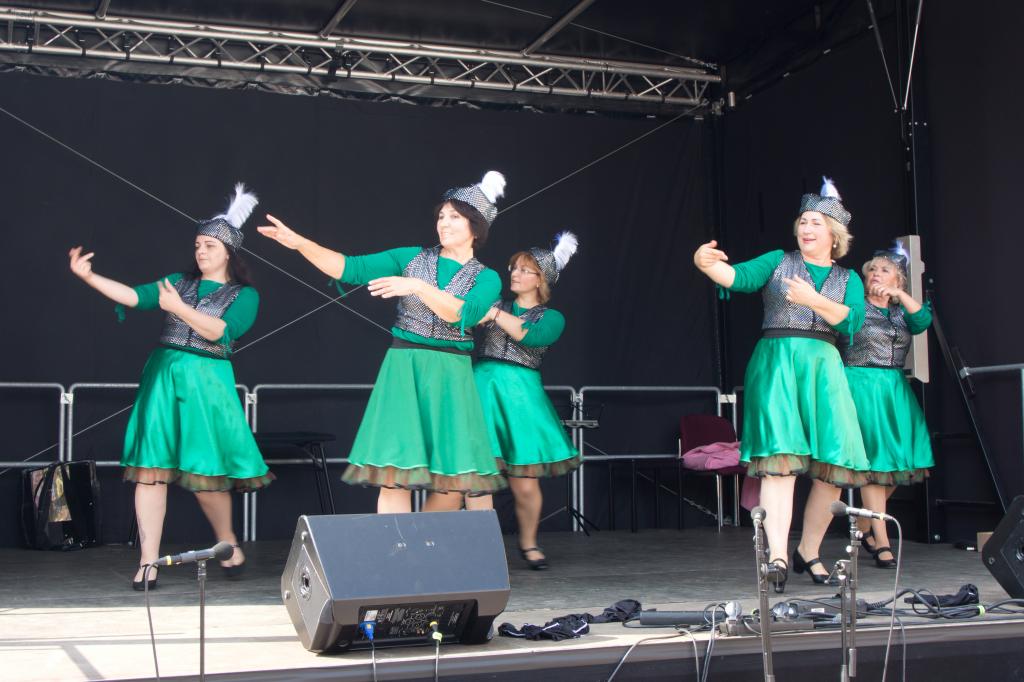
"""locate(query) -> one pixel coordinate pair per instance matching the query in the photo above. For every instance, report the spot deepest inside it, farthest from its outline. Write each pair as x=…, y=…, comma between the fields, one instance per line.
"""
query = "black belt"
x=802, y=333
x=409, y=345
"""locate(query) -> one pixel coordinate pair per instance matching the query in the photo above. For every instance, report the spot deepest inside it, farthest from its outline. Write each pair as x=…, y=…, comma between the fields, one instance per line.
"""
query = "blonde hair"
x=901, y=278
x=544, y=291
x=841, y=237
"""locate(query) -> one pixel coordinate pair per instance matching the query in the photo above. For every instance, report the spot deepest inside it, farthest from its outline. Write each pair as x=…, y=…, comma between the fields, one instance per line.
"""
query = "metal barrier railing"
x=576, y=492
x=712, y=391
x=254, y=400
x=61, y=419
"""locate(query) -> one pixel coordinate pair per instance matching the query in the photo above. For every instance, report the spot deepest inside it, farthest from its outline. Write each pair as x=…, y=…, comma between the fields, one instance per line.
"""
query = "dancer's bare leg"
x=150, y=510
x=529, y=502
x=217, y=508
x=817, y=517
x=443, y=502
x=480, y=502
x=875, y=497
x=394, y=501
x=777, y=500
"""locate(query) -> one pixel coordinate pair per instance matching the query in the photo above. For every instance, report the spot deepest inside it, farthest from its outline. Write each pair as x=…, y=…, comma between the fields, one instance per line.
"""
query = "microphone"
x=656, y=617
x=839, y=508
x=221, y=551
x=758, y=514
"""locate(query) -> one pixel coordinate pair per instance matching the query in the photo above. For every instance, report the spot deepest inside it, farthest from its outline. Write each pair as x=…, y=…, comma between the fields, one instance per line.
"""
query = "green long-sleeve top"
x=238, y=318
x=753, y=274
x=391, y=263
x=545, y=331
x=916, y=322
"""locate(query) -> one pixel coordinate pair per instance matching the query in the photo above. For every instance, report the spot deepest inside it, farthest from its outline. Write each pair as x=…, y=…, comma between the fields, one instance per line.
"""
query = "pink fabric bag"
x=714, y=457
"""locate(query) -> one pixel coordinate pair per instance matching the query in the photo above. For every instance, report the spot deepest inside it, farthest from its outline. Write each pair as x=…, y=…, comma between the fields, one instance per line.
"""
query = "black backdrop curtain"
x=356, y=176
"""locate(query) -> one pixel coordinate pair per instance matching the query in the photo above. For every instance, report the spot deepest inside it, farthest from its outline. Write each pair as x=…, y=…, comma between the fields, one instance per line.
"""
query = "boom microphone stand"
x=846, y=570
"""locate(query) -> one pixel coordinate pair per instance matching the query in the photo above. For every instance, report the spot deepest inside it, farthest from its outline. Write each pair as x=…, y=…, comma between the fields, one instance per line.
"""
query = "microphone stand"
x=763, y=613
x=201, y=577
x=846, y=570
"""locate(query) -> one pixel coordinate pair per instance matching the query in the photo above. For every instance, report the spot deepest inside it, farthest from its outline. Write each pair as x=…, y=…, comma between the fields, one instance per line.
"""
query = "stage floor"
x=73, y=616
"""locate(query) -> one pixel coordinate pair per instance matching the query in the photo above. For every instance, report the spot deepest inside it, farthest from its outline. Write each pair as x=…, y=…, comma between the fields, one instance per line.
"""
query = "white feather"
x=241, y=206
x=828, y=189
x=565, y=246
x=900, y=250
x=492, y=185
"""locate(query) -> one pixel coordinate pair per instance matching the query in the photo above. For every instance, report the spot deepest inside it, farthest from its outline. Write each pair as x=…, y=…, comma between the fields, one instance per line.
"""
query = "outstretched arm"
x=711, y=261
x=81, y=265
x=324, y=259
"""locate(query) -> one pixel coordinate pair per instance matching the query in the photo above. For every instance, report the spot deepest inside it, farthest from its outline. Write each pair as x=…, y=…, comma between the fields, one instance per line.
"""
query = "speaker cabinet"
x=400, y=572
x=1003, y=554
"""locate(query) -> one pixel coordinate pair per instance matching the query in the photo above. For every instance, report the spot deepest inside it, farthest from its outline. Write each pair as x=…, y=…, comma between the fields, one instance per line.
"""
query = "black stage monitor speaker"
x=400, y=572
x=1003, y=554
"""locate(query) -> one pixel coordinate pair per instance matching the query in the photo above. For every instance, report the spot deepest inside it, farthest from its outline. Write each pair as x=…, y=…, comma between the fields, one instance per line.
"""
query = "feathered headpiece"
x=227, y=226
x=481, y=196
x=897, y=254
x=551, y=262
x=827, y=202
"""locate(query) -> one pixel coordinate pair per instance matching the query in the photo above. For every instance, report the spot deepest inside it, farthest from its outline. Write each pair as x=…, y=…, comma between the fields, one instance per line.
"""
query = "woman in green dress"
x=798, y=416
x=891, y=421
x=423, y=427
x=522, y=423
x=187, y=424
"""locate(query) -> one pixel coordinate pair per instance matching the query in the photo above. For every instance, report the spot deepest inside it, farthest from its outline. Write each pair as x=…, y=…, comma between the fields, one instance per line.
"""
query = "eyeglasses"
x=523, y=271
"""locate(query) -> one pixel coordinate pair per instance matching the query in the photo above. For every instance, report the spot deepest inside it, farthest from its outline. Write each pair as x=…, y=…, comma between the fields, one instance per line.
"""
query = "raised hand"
x=81, y=265
x=390, y=287
x=170, y=300
x=281, y=233
x=800, y=291
x=708, y=254
x=891, y=293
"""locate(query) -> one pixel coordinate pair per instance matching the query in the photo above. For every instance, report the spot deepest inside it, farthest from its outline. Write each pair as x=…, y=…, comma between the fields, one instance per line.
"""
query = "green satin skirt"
x=423, y=427
x=521, y=421
x=798, y=414
x=188, y=426
x=895, y=434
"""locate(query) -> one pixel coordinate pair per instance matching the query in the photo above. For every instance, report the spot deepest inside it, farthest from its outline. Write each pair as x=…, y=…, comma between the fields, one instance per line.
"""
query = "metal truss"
x=35, y=32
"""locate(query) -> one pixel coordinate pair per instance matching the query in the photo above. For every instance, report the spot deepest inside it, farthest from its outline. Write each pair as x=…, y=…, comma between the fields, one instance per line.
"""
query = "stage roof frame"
x=449, y=71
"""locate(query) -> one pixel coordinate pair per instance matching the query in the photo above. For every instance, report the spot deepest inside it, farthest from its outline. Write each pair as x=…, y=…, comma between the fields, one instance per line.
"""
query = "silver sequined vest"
x=782, y=318
x=414, y=315
x=498, y=345
x=216, y=303
x=881, y=342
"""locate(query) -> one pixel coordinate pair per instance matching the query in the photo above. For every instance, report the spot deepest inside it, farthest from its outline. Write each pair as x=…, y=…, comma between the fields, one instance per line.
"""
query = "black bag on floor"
x=60, y=506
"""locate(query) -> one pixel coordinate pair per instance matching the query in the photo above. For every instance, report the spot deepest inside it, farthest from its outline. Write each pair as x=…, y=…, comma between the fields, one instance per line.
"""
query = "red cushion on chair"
x=702, y=429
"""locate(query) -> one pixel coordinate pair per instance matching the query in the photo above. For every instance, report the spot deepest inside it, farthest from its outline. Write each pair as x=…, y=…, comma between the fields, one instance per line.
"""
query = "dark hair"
x=477, y=224
x=238, y=269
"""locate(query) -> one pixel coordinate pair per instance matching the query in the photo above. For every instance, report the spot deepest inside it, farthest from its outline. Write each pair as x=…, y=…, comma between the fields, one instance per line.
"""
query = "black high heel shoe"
x=876, y=551
x=800, y=565
x=778, y=574
x=233, y=572
x=143, y=585
x=535, y=564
